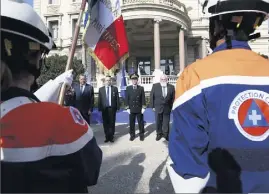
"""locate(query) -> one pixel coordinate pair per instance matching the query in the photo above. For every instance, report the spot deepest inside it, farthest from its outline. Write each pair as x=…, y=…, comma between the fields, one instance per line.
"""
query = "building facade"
x=163, y=35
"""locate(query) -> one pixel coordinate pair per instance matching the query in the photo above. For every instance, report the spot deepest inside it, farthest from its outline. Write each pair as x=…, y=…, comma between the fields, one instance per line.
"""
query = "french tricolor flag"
x=105, y=33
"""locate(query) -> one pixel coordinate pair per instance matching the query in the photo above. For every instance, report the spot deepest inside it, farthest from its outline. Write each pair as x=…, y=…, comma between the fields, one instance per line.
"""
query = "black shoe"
x=132, y=138
x=158, y=137
x=111, y=139
x=142, y=138
x=107, y=140
x=167, y=138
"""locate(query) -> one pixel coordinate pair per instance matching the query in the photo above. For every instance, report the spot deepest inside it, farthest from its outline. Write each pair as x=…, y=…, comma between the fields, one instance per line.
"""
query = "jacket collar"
x=13, y=92
x=235, y=45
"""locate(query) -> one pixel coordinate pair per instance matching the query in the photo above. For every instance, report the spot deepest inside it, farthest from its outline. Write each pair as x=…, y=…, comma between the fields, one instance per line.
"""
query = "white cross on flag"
x=105, y=33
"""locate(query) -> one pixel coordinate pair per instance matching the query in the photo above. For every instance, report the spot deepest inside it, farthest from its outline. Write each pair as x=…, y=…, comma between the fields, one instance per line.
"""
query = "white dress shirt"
x=164, y=91
x=109, y=95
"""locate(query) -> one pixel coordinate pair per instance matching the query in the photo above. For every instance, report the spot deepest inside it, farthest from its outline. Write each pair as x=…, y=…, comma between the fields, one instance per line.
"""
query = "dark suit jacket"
x=85, y=101
x=157, y=100
x=70, y=98
x=115, y=102
x=135, y=99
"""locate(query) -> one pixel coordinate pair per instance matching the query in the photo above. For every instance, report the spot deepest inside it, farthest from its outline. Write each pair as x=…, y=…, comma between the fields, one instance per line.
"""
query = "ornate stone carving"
x=167, y=2
x=126, y=2
x=53, y=9
x=157, y=20
x=74, y=7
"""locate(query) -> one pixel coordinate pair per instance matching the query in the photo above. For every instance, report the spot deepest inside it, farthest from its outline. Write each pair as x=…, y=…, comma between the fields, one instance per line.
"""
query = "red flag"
x=105, y=33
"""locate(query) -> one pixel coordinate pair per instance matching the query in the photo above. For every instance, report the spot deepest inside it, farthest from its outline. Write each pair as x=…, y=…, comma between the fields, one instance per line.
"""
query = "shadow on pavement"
x=120, y=131
x=150, y=129
x=159, y=184
x=121, y=179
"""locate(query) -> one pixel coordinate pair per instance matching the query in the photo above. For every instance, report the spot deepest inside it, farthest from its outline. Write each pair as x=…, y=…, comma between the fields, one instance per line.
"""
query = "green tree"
x=55, y=65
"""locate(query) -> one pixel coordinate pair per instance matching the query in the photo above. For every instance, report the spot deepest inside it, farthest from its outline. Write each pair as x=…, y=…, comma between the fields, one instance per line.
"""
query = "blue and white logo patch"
x=250, y=113
x=77, y=116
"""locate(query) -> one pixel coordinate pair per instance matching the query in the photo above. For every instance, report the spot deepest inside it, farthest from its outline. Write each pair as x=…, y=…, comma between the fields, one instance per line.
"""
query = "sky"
x=29, y=2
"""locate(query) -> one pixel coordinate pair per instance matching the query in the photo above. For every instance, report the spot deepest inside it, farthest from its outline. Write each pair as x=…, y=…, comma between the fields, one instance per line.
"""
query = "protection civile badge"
x=250, y=112
x=77, y=116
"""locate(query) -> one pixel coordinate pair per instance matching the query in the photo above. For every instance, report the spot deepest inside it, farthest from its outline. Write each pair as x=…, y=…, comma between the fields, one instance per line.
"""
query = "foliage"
x=55, y=65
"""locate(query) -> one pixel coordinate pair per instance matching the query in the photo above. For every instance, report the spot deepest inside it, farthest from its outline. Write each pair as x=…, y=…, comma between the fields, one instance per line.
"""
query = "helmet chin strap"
x=36, y=73
x=204, y=6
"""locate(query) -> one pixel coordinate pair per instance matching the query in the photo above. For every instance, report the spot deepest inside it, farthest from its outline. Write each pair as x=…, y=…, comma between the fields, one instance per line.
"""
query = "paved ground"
x=132, y=167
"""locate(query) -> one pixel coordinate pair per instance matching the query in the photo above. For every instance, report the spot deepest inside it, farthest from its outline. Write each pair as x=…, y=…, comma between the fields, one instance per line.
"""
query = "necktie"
x=164, y=94
x=107, y=96
x=81, y=89
x=134, y=87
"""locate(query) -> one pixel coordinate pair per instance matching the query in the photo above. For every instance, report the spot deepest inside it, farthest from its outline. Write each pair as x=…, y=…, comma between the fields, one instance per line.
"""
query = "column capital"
x=157, y=20
x=204, y=38
x=179, y=28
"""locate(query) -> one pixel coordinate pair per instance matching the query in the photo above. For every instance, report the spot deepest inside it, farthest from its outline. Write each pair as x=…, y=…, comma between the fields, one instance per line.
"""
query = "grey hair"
x=164, y=76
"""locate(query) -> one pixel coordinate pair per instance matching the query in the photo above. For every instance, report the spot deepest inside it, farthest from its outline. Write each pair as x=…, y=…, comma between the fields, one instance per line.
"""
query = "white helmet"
x=20, y=19
x=222, y=7
x=238, y=19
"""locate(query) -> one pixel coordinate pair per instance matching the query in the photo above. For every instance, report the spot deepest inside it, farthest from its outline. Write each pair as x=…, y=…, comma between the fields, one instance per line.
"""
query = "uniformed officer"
x=136, y=104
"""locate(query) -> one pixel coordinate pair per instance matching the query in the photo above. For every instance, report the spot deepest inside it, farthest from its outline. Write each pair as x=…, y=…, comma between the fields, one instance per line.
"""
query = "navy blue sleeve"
x=91, y=158
x=189, y=138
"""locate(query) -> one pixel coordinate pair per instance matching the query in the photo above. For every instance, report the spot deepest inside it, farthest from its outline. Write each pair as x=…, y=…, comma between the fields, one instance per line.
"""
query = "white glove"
x=153, y=109
x=181, y=185
x=143, y=110
x=66, y=77
x=49, y=92
x=128, y=110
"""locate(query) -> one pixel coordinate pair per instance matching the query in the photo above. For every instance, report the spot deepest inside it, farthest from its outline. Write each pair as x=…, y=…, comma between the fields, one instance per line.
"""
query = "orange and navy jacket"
x=45, y=147
x=221, y=121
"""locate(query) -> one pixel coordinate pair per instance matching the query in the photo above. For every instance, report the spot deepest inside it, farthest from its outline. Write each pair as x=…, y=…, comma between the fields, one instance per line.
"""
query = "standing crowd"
x=81, y=96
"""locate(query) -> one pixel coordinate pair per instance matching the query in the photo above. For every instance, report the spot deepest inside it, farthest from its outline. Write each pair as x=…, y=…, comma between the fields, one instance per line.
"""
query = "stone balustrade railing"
x=172, y=3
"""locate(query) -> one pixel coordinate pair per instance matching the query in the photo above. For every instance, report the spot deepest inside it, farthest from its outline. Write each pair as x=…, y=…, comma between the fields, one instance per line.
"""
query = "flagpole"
x=73, y=48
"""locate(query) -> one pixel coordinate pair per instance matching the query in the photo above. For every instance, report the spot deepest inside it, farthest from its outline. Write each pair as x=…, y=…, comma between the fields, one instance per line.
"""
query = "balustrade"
x=172, y=3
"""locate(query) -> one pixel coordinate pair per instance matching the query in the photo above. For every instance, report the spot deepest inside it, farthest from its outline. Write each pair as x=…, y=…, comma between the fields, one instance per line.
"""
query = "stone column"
x=203, y=50
x=157, y=51
x=157, y=57
x=186, y=52
x=181, y=48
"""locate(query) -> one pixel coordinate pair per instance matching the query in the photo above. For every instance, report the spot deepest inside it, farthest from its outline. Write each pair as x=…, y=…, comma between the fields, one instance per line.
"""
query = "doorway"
x=144, y=64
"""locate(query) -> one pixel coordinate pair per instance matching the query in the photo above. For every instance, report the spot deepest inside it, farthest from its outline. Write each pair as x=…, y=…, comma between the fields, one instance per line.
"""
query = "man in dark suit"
x=136, y=104
x=162, y=96
x=84, y=98
x=69, y=97
x=108, y=104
